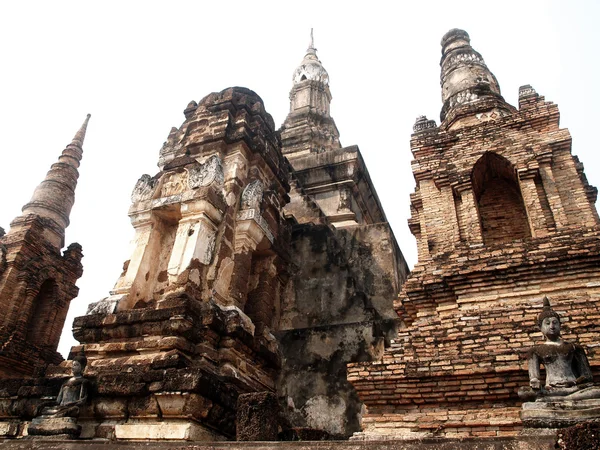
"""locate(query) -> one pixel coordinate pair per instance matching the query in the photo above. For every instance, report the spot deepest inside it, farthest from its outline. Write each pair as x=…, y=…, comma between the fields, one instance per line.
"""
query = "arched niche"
x=499, y=200
x=43, y=314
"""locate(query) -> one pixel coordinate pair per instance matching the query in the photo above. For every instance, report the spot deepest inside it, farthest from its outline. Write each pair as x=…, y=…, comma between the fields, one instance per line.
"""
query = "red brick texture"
x=503, y=215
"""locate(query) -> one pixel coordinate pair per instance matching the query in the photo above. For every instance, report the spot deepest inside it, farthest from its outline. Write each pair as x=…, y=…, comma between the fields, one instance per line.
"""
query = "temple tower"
x=347, y=264
x=503, y=215
x=334, y=177
x=37, y=282
x=189, y=324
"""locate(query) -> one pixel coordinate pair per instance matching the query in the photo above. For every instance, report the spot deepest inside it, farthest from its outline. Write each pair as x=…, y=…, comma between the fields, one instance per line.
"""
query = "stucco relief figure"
x=175, y=183
x=205, y=174
x=73, y=393
x=568, y=373
x=144, y=188
x=252, y=195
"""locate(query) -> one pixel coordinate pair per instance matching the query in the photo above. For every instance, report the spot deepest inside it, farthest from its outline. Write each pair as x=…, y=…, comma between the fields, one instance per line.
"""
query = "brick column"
x=468, y=214
x=533, y=207
x=558, y=211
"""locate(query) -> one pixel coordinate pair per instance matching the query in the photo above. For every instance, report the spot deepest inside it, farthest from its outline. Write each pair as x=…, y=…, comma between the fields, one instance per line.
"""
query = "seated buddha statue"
x=73, y=393
x=568, y=373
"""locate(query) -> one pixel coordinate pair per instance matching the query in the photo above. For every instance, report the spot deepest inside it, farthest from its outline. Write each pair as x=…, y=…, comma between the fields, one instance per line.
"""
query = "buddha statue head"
x=549, y=322
x=78, y=365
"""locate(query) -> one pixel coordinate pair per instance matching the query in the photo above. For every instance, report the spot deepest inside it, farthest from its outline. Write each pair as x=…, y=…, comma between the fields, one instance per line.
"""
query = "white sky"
x=135, y=65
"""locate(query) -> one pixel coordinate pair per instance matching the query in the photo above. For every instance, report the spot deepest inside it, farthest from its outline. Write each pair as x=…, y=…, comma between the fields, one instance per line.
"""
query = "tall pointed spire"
x=80, y=135
x=468, y=86
x=309, y=127
x=54, y=197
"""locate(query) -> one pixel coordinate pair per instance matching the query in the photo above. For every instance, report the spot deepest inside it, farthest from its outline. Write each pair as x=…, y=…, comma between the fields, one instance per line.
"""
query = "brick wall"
x=503, y=216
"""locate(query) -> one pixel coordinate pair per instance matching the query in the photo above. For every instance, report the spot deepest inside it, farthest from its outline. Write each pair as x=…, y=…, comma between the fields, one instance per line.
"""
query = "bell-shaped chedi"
x=502, y=214
x=37, y=283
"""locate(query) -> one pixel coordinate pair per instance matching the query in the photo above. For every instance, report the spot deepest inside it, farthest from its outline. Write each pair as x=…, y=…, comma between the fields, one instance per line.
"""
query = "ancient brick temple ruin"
x=503, y=215
x=37, y=282
x=250, y=272
x=265, y=288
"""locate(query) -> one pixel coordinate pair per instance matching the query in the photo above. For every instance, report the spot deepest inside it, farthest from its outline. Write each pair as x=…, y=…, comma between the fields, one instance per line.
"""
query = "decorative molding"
x=422, y=123
x=526, y=91
x=254, y=214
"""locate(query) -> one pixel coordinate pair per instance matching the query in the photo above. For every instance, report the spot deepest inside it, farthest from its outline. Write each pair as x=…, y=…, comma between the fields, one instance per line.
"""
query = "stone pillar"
x=533, y=206
x=195, y=238
x=468, y=214
x=146, y=232
x=552, y=194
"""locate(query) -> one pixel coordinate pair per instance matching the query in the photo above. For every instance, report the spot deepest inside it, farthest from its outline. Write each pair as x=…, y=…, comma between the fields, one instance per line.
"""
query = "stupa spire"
x=468, y=85
x=54, y=197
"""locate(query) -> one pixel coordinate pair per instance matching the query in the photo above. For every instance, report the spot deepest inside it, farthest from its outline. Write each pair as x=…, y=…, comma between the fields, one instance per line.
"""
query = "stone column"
x=195, y=238
x=146, y=232
x=468, y=214
x=533, y=206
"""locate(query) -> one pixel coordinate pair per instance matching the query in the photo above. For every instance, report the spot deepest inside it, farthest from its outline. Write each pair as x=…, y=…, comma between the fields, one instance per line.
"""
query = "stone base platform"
x=560, y=414
x=56, y=427
x=544, y=442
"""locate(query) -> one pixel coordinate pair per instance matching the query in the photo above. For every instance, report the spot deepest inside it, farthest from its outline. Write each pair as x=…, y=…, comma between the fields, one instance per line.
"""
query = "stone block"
x=560, y=414
x=56, y=426
x=9, y=429
x=166, y=430
x=257, y=417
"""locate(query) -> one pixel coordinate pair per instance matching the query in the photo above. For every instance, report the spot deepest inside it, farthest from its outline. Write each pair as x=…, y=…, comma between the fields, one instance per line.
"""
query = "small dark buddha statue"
x=73, y=393
x=568, y=373
x=59, y=417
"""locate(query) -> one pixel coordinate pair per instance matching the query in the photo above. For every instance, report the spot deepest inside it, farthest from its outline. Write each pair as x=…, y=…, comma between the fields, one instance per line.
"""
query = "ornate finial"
x=422, y=123
x=547, y=311
x=312, y=40
x=468, y=86
x=526, y=91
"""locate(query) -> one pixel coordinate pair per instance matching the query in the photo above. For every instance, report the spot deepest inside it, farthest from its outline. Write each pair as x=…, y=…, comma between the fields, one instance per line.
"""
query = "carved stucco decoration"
x=205, y=174
x=345, y=203
x=174, y=183
x=144, y=188
x=252, y=195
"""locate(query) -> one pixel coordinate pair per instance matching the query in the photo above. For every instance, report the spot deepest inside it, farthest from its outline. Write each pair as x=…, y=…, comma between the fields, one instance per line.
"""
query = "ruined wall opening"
x=43, y=314
x=501, y=208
